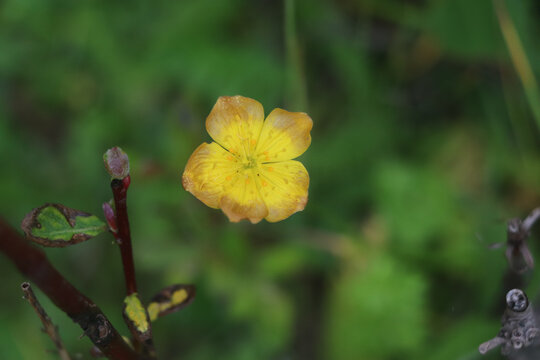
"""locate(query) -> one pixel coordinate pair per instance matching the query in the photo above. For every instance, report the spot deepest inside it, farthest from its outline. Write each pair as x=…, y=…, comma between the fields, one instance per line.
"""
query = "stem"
x=491, y=344
x=519, y=58
x=33, y=263
x=48, y=326
x=296, y=80
x=531, y=219
x=123, y=236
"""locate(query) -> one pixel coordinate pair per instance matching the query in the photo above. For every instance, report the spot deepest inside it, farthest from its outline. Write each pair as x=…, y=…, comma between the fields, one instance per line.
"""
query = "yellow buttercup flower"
x=248, y=171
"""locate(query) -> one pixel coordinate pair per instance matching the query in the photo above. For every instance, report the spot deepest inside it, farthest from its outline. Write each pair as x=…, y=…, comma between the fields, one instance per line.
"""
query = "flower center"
x=249, y=163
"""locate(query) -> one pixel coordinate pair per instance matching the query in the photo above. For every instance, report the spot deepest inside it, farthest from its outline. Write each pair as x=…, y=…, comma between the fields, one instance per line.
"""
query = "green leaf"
x=381, y=300
x=170, y=299
x=55, y=225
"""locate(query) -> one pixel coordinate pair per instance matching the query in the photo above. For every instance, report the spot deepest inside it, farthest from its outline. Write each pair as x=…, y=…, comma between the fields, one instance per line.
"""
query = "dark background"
x=425, y=142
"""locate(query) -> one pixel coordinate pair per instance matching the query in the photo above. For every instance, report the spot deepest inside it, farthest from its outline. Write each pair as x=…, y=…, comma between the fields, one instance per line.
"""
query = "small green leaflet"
x=55, y=225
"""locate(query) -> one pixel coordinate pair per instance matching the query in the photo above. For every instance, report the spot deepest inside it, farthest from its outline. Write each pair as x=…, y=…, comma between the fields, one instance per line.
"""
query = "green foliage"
x=459, y=340
x=423, y=144
x=58, y=226
x=476, y=33
x=384, y=297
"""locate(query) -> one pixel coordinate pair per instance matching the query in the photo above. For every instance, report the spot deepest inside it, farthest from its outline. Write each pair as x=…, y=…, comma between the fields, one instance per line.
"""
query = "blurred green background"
x=424, y=144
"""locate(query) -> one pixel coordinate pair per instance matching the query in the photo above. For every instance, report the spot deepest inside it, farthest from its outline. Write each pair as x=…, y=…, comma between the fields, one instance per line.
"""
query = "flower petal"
x=284, y=188
x=235, y=123
x=284, y=136
x=208, y=171
x=243, y=200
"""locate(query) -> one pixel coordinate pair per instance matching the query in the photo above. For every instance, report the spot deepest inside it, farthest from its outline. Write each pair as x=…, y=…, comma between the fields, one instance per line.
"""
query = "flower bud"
x=116, y=163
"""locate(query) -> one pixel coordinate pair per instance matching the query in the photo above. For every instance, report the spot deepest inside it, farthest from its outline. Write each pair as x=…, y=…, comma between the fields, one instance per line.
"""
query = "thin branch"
x=518, y=331
x=123, y=236
x=519, y=257
x=491, y=344
x=531, y=219
x=48, y=326
x=33, y=263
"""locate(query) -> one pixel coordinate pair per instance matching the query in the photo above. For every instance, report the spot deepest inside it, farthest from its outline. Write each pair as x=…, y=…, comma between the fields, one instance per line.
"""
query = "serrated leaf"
x=55, y=225
x=136, y=317
x=170, y=299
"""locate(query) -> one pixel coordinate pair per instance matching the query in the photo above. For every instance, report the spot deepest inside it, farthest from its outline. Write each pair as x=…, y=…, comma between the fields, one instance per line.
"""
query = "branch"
x=529, y=221
x=519, y=333
x=48, y=326
x=141, y=332
x=135, y=314
x=33, y=263
x=123, y=236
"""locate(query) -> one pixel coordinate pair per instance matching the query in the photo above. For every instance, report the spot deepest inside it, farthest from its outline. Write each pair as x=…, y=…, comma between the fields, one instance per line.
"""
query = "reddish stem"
x=33, y=263
x=123, y=236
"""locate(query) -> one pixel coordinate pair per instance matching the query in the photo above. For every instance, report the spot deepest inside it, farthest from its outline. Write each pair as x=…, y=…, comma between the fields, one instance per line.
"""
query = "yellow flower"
x=248, y=171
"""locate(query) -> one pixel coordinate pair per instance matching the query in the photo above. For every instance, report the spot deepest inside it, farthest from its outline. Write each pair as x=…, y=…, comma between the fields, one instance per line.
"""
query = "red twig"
x=33, y=263
x=123, y=236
